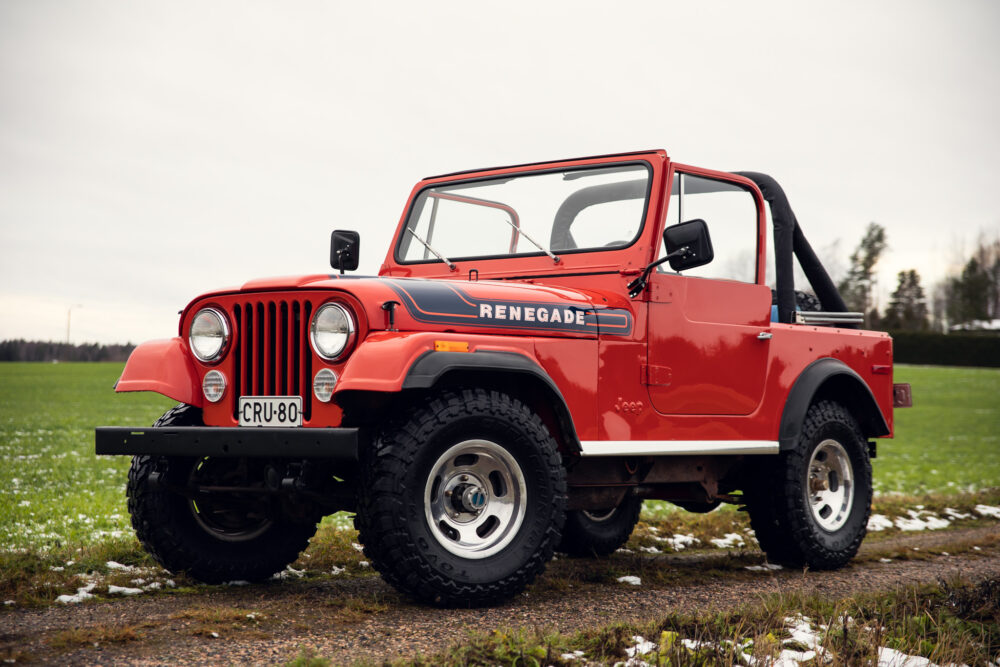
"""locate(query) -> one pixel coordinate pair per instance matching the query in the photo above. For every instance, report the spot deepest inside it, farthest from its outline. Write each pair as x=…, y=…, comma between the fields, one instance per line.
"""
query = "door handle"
x=764, y=335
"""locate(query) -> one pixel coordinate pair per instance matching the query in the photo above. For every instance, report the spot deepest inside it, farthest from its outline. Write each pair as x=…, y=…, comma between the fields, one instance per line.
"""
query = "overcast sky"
x=151, y=151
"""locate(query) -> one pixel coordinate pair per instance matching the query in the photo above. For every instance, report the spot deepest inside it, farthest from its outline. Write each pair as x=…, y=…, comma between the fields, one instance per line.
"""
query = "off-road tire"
x=399, y=471
x=781, y=513
x=167, y=528
x=599, y=533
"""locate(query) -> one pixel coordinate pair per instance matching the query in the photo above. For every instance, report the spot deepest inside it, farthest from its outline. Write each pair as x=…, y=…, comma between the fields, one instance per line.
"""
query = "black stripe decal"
x=436, y=302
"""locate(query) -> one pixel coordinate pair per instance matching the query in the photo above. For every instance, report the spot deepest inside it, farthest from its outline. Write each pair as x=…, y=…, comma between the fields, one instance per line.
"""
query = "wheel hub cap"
x=475, y=499
x=830, y=485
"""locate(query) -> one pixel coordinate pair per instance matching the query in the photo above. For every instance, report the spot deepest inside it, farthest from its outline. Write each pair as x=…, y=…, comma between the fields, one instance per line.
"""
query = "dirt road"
x=347, y=619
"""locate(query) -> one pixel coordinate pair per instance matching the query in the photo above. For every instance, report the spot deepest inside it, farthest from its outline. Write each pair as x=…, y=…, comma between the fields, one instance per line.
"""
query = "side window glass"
x=731, y=215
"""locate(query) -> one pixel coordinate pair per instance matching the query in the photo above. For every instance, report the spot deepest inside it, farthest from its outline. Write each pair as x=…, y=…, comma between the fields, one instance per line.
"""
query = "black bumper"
x=326, y=443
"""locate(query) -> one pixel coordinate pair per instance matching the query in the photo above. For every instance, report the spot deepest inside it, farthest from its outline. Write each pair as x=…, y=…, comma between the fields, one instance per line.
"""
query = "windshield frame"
x=402, y=237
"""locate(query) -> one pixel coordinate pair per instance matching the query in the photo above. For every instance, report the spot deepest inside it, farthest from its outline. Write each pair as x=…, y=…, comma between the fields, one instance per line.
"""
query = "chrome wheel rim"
x=475, y=499
x=225, y=521
x=830, y=485
x=600, y=515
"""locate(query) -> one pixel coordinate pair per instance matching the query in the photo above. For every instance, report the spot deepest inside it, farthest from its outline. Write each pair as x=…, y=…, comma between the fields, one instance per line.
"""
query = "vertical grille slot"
x=272, y=354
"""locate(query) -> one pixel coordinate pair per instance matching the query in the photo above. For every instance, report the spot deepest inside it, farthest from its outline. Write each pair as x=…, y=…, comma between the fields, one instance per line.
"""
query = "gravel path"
x=348, y=619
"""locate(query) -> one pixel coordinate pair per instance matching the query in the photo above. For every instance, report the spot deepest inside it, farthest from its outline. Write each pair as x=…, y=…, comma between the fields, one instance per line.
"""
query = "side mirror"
x=345, y=248
x=688, y=245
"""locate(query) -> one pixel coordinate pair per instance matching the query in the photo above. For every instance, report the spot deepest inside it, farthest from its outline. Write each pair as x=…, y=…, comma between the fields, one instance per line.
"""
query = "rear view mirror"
x=344, y=250
x=688, y=245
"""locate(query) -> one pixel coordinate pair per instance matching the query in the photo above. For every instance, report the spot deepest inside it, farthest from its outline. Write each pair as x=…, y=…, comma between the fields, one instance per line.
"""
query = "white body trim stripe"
x=676, y=447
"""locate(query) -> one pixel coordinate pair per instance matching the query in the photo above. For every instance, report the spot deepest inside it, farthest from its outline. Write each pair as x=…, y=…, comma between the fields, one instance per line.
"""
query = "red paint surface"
x=690, y=368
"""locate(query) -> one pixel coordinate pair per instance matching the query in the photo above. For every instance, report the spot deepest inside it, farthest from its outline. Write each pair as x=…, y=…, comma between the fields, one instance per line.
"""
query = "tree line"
x=30, y=350
x=967, y=299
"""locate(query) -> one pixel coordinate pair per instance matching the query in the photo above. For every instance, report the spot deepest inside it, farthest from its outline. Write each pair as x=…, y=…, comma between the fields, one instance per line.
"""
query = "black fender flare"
x=431, y=367
x=833, y=379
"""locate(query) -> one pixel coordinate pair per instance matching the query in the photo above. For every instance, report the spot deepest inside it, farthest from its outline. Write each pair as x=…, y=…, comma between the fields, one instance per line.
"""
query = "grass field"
x=64, y=528
x=54, y=491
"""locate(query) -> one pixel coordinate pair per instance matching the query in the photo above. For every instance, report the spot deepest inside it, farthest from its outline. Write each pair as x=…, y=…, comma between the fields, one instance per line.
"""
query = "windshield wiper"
x=555, y=258
x=444, y=259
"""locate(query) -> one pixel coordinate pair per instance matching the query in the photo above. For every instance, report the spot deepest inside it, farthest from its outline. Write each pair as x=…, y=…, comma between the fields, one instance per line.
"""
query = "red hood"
x=462, y=305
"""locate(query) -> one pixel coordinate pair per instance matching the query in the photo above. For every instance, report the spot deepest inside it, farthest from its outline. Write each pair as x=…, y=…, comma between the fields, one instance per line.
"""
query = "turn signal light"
x=450, y=346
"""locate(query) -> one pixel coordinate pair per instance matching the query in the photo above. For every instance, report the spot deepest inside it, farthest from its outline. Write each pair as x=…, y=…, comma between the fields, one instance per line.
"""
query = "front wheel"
x=463, y=499
x=213, y=537
x=814, y=509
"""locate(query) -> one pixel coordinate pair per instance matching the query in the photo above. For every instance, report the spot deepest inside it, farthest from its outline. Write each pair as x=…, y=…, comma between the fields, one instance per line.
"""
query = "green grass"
x=950, y=439
x=54, y=489
x=63, y=511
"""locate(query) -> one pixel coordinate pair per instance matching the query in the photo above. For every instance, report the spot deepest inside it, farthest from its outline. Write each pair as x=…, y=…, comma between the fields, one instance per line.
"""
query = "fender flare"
x=853, y=392
x=165, y=367
x=432, y=366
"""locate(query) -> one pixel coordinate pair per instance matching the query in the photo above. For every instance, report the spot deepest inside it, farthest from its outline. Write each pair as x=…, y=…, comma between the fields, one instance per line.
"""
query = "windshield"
x=553, y=212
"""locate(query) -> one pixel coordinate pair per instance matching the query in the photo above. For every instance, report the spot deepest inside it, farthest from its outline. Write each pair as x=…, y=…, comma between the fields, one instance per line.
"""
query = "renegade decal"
x=443, y=303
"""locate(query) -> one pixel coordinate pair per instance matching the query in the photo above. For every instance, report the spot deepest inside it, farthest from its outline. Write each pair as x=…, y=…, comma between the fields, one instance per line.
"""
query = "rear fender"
x=163, y=366
x=834, y=380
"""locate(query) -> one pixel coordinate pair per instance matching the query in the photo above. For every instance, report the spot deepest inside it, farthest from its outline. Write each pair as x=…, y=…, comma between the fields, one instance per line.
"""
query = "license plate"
x=270, y=411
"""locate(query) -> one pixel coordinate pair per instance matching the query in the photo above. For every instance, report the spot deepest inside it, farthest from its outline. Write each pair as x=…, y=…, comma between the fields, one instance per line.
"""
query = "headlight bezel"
x=225, y=330
x=352, y=331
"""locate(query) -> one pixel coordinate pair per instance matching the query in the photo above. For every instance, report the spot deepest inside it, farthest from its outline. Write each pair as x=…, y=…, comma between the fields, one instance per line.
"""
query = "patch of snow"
x=155, y=586
x=921, y=520
x=877, y=522
x=235, y=582
x=112, y=565
x=641, y=647
x=8, y=603
x=955, y=514
x=569, y=657
x=81, y=595
x=976, y=549
x=357, y=547
x=288, y=572
x=338, y=570
x=56, y=568
x=766, y=567
x=680, y=542
x=623, y=550
x=885, y=560
x=630, y=579
x=365, y=563
x=729, y=541
x=988, y=510
x=650, y=550
x=790, y=658
x=170, y=583
x=123, y=590
x=215, y=635
x=890, y=657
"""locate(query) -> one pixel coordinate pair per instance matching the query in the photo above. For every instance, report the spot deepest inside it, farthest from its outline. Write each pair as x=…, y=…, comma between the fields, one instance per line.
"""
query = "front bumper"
x=340, y=444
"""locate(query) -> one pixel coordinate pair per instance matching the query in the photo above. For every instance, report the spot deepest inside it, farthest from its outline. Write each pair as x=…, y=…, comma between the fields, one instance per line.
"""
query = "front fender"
x=163, y=366
x=383, y=361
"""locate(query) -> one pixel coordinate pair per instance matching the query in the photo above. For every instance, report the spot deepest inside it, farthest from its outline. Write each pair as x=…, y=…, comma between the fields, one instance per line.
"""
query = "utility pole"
x=69, y=313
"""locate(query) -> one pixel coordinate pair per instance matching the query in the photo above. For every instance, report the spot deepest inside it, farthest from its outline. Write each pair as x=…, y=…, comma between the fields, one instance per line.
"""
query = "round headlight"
x=332, y=330
x=209, y=334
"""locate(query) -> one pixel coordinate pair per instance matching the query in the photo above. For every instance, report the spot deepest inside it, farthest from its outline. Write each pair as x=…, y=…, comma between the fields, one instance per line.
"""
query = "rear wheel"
x=600, y=533
x=213, y=537
x=813, y=509
x=463, y=499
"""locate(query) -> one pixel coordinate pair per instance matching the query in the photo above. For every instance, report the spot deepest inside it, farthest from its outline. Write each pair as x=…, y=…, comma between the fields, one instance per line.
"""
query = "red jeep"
x=545, y=346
